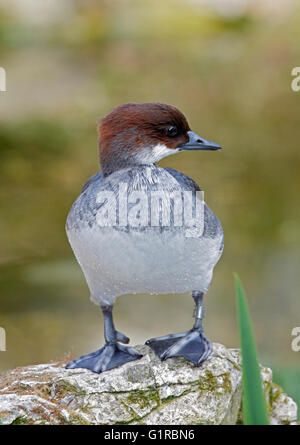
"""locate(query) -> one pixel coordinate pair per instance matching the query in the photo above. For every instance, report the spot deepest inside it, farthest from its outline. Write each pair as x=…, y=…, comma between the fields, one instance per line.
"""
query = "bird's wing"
x=185, y=181
x=212, y=225
x=96, y=177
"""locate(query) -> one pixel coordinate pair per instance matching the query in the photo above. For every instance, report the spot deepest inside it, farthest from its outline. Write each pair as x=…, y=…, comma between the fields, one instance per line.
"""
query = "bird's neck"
x=109, y=166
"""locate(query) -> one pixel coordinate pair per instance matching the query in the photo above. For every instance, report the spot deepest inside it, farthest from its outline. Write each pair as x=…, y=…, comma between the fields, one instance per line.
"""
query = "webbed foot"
x=192, y=345
x=108, y=357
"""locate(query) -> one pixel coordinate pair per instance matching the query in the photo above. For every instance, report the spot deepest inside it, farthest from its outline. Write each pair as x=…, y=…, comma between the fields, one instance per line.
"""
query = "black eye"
x=172, y=131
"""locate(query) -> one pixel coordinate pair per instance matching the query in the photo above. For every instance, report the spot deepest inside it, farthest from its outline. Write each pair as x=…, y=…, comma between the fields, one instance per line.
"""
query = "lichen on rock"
x=146, y=391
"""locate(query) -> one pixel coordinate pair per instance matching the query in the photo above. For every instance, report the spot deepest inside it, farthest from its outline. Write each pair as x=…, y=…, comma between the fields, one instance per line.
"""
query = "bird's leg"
x=112, y=354
x=193, y=345
x=199, y=311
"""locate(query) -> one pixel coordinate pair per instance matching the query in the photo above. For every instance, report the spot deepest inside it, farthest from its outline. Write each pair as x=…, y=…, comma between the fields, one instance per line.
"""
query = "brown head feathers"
x=130, y=128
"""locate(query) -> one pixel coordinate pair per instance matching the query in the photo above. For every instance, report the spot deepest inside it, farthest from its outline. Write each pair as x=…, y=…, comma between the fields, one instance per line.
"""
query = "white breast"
x=116, y=263
x=147, y=260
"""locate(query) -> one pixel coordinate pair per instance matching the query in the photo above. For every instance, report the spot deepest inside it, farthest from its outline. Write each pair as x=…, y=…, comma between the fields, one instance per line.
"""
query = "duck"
x=139, y=228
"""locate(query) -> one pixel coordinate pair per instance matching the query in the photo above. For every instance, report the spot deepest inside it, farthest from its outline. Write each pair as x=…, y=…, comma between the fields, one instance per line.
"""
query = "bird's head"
x=143, y=133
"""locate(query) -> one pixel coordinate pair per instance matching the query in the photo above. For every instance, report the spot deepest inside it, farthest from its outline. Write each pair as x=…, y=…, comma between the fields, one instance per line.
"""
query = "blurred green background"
x=227, y=65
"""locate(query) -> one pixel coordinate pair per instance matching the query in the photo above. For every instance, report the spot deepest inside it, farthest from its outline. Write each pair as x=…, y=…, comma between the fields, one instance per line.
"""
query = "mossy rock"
x=146, y=391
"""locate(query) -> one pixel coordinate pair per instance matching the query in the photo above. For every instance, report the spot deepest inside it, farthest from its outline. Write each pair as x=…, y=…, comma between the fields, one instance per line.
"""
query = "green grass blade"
x=254, y=404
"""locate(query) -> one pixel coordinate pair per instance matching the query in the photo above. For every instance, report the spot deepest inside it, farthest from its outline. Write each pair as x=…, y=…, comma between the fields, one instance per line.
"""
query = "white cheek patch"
x=155, y=153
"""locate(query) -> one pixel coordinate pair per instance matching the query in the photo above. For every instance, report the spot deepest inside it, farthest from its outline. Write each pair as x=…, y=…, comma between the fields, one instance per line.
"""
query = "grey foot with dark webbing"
x=192, y=345
x=108, y=357
x=112, y=354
